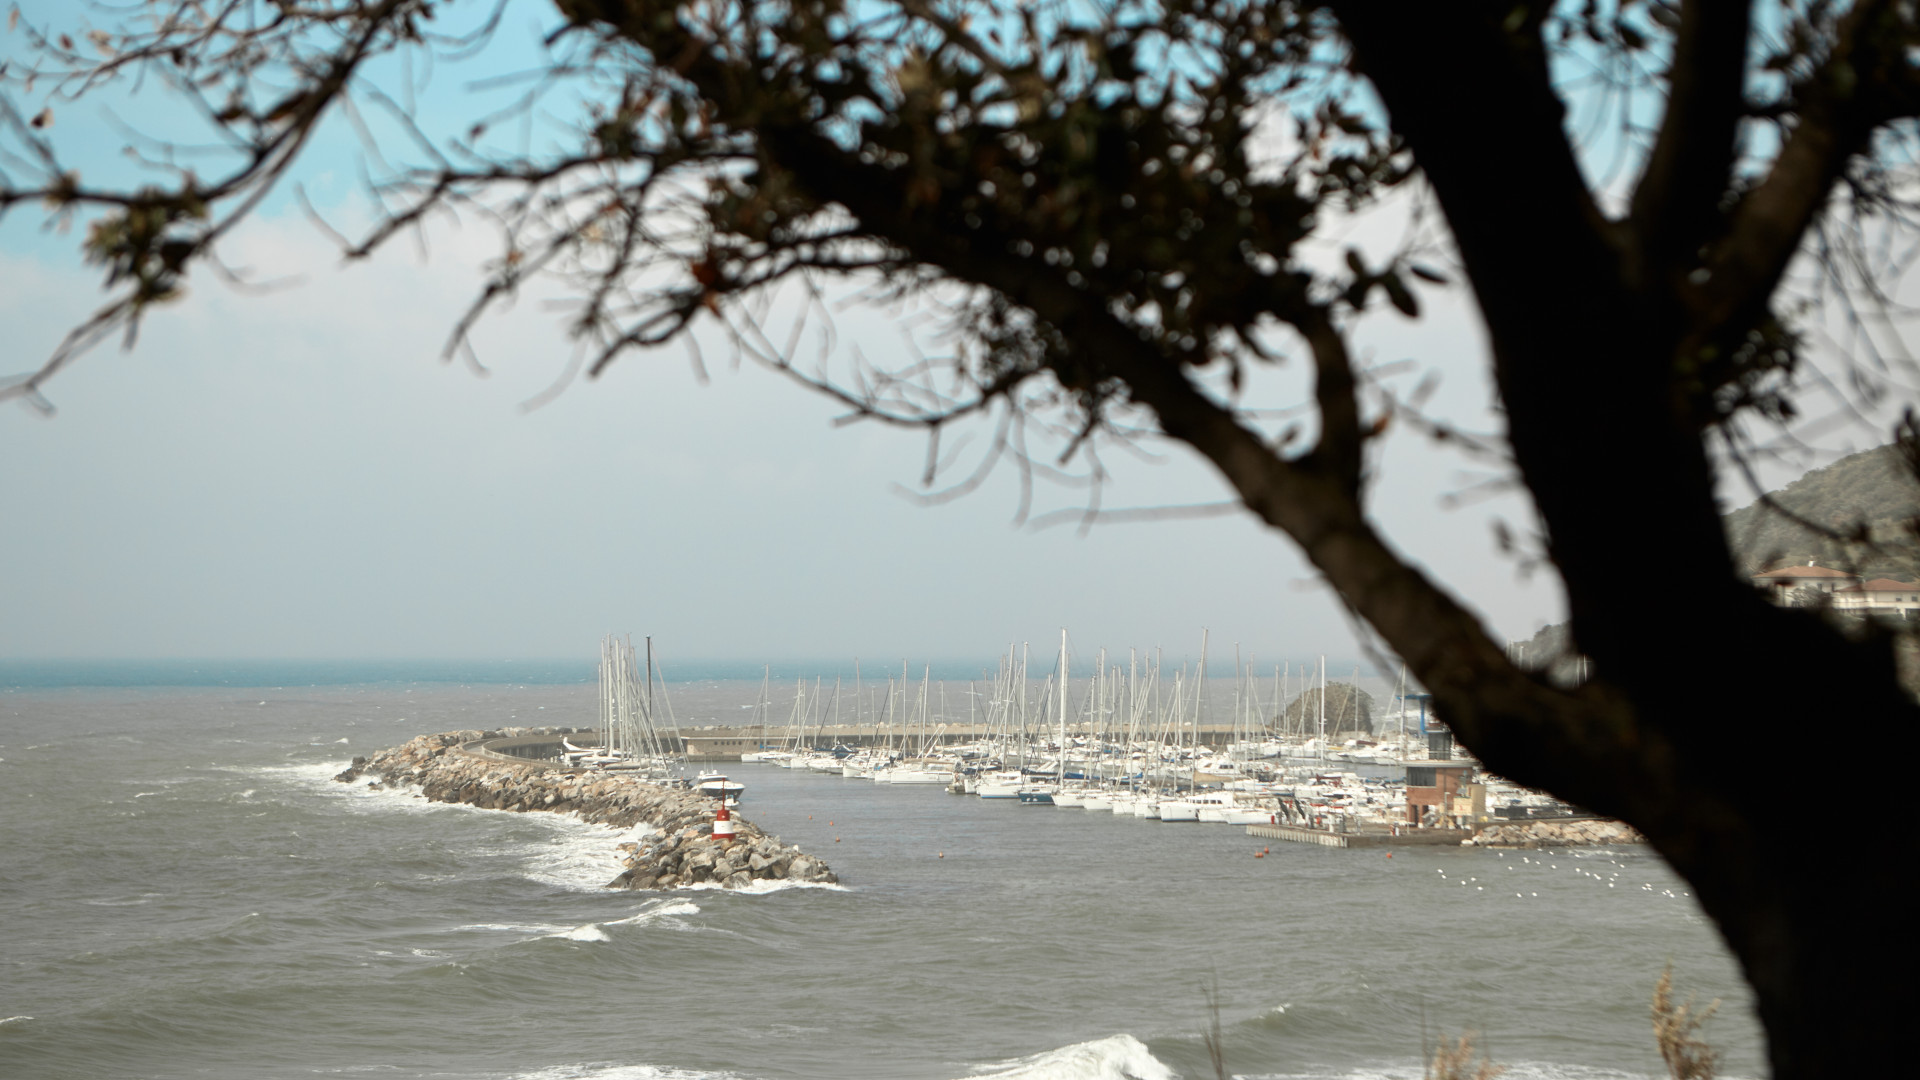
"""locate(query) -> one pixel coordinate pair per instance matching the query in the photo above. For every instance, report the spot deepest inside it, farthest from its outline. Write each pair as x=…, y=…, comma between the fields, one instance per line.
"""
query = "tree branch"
x=1864, y=82
x=1676, y=206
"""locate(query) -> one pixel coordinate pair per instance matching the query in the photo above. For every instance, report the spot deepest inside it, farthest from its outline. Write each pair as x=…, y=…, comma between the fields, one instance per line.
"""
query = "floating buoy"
x=1260, y=854
x=1389, y=854
x=829, y=822
x=943, y=854
x=722, y=823
x=836, y=839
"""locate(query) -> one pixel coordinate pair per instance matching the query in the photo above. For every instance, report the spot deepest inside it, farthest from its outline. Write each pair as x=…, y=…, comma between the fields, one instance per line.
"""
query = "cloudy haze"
x=296, y=474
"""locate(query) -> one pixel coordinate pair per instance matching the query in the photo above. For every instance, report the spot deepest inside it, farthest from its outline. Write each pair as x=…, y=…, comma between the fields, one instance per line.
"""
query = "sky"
x=297, y=474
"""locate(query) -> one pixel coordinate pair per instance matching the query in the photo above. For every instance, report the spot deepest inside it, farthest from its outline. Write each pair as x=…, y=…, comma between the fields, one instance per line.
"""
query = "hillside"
x=1348, y=710
x=1872, y=489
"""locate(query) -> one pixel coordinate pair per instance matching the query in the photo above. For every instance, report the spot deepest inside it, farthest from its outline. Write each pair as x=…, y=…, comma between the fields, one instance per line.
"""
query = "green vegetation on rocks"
x=1870, y=495
x=1348, y=709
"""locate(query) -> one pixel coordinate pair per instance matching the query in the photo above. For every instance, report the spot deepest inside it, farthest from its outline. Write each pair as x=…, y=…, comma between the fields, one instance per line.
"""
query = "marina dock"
x=1369, y=838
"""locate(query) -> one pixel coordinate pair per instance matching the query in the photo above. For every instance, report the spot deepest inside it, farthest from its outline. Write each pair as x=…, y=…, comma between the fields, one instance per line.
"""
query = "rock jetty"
x=1590, y=832
x=682, y=852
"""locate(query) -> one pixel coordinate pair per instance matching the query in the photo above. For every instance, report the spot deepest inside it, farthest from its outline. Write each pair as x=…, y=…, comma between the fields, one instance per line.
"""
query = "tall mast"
x=1062, y=768
x=1323, y=707
x=1200, y=691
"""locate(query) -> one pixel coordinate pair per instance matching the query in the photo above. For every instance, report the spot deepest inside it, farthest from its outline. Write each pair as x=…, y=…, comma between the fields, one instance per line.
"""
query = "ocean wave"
x=122, y=901
x=763, y=887
x=659, y=911
x=578, y=856
x=605, y=1071
x=1116, y=1057
x=575, y=855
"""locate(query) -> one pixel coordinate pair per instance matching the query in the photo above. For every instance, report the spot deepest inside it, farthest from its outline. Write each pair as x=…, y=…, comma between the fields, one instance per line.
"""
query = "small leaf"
x=1400, y=295
x=1427, y=273
x=44, y=120
x=1355, y=264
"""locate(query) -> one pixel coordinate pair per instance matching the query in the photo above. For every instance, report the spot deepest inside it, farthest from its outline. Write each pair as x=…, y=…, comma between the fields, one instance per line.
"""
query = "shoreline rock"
x=1546, y=834
x=682, y=852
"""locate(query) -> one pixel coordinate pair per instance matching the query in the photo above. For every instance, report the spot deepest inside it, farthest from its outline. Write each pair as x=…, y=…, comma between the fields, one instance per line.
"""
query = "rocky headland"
x=682, y=852
x=1551, y=834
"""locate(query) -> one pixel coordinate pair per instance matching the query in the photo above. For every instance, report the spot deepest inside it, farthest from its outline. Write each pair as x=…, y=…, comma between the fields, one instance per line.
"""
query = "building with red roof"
x=1881, y=596
x=1782, y=582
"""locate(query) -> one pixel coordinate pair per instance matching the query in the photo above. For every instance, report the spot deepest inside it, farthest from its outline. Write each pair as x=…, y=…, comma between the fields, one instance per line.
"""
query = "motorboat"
x=716, y=786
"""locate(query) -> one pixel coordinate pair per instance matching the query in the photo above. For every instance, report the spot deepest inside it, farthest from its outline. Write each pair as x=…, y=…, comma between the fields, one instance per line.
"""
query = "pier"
x=1369, y=838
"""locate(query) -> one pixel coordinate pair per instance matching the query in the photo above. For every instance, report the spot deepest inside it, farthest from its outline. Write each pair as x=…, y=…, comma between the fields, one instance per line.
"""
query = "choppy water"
x=188, y=894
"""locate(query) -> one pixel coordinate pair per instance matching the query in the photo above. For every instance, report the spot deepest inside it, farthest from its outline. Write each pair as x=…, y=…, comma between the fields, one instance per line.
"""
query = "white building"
x=1781, y=583
x=1881, y=596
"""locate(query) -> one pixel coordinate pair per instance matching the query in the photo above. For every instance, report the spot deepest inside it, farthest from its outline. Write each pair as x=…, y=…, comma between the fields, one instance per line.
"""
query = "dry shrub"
x=1676, y=1030
x=1455, y=1061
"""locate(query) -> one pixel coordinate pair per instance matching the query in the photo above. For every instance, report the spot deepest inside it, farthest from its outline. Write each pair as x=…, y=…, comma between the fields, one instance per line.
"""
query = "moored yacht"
x=716, y=786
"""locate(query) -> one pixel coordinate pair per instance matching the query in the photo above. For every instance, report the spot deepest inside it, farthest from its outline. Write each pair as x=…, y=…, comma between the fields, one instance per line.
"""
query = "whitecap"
x=761, y=887
x=540, y=929
x=578, y=856
x=659, y=910
x=15, y=1019
x=589, y=932
x=607, y=1071
x=1116, y=1057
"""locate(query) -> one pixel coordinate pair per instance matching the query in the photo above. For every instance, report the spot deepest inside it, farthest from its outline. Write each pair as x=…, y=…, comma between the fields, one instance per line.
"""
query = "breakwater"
x=1589, y=832
x=457, y=767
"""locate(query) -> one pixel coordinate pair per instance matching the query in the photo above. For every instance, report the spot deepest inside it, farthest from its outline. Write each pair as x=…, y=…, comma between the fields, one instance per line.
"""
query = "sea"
x=189, y=893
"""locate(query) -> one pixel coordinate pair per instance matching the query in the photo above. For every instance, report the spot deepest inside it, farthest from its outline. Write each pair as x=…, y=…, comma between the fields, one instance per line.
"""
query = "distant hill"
x=1348, y=709
x=1872, y=489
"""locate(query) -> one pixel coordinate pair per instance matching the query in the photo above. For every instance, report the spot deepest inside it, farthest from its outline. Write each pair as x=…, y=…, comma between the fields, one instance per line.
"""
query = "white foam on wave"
x=1116, y=1057
x=763, y=887
x=15, y=1019
x=659, y=911
x=606, y=1071
x=579, y=856
x=312, y=772
x=576, y=855
x=537, y=929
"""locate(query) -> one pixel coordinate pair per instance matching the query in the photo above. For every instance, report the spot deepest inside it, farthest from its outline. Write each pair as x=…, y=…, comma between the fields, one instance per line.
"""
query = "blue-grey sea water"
x=187, y=893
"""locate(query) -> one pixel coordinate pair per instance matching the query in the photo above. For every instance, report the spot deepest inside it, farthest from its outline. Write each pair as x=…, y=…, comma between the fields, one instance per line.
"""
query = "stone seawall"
x=1545, y=834
x=683, y=852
